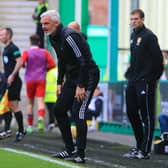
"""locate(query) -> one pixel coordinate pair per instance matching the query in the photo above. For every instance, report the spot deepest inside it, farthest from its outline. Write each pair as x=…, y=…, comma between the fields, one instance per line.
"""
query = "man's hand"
x=59, y=88
x=10, y=79
x=80, y=93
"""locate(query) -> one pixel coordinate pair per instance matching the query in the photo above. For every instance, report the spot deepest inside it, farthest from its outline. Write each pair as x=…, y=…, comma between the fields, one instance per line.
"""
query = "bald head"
x=74, y=25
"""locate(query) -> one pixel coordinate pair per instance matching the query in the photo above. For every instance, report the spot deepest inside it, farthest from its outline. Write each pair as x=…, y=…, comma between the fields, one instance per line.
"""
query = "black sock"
x=19, y=119
x=7, y=119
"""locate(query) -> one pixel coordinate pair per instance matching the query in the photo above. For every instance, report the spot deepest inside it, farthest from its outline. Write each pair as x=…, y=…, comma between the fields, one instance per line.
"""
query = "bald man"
x=75, y=26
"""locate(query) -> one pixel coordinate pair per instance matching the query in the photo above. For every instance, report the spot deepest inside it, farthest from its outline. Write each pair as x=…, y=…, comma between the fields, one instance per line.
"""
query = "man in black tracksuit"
x=78, y=76
x=146, y=66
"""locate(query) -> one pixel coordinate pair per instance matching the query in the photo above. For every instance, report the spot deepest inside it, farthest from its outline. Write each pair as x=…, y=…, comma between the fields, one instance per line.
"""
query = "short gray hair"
x=53, y=14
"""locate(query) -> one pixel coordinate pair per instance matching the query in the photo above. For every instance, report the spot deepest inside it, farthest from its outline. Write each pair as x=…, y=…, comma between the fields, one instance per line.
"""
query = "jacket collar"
x=139, y=29
x=56, y=35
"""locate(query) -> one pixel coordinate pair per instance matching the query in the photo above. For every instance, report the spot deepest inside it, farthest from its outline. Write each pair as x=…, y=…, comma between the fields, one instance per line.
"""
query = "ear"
x=8, y=36
x=56, y=24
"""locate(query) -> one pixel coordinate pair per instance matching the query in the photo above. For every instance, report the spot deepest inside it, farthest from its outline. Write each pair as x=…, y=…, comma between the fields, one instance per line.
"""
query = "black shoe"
x=19, y=136
x=141, y=155
x=65, y=155
x=137, y=154
x=5, y=134
x=50, y=126
x=79, y=159
x=131, y=154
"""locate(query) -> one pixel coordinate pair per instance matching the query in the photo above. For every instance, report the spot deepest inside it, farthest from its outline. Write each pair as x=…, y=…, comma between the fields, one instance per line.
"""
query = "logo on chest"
x=5, y=59
x=139, y=40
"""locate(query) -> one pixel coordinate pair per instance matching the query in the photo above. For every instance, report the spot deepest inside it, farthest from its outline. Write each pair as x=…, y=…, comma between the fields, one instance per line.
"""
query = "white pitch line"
x=40, y=157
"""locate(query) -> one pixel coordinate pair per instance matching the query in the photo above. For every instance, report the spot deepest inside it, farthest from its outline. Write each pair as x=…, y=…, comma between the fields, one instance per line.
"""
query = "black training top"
x=74, y=57
x=146, y=58
x=10, y=53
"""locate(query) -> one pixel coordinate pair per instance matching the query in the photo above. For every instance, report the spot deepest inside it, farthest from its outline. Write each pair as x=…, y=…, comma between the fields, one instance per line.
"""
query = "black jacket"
x=146, y=58
x=74, y=57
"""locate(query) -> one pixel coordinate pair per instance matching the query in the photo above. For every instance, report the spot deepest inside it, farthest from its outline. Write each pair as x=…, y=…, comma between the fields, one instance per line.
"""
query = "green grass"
x=10, y=159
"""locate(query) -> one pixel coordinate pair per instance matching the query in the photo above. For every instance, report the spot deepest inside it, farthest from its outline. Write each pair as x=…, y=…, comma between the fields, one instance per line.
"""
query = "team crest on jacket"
x=139, y=39
x=5, y=59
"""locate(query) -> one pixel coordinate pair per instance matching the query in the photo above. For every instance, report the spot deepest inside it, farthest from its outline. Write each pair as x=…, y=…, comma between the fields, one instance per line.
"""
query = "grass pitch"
x=14, y=158
x=99, y=154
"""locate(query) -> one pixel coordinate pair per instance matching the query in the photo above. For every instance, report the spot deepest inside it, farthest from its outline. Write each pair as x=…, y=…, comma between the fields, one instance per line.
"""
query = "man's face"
x=48, y=25
x=136, y=21
x=4, y=37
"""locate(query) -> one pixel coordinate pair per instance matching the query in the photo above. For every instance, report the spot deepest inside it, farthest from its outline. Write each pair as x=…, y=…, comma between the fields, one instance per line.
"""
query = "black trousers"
x=67, y=101
x=140, y=102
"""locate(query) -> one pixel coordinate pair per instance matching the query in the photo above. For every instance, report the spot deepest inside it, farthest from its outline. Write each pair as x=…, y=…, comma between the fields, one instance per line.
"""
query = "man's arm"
x=77, y=43
x=157, y=58
x=18, y=65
